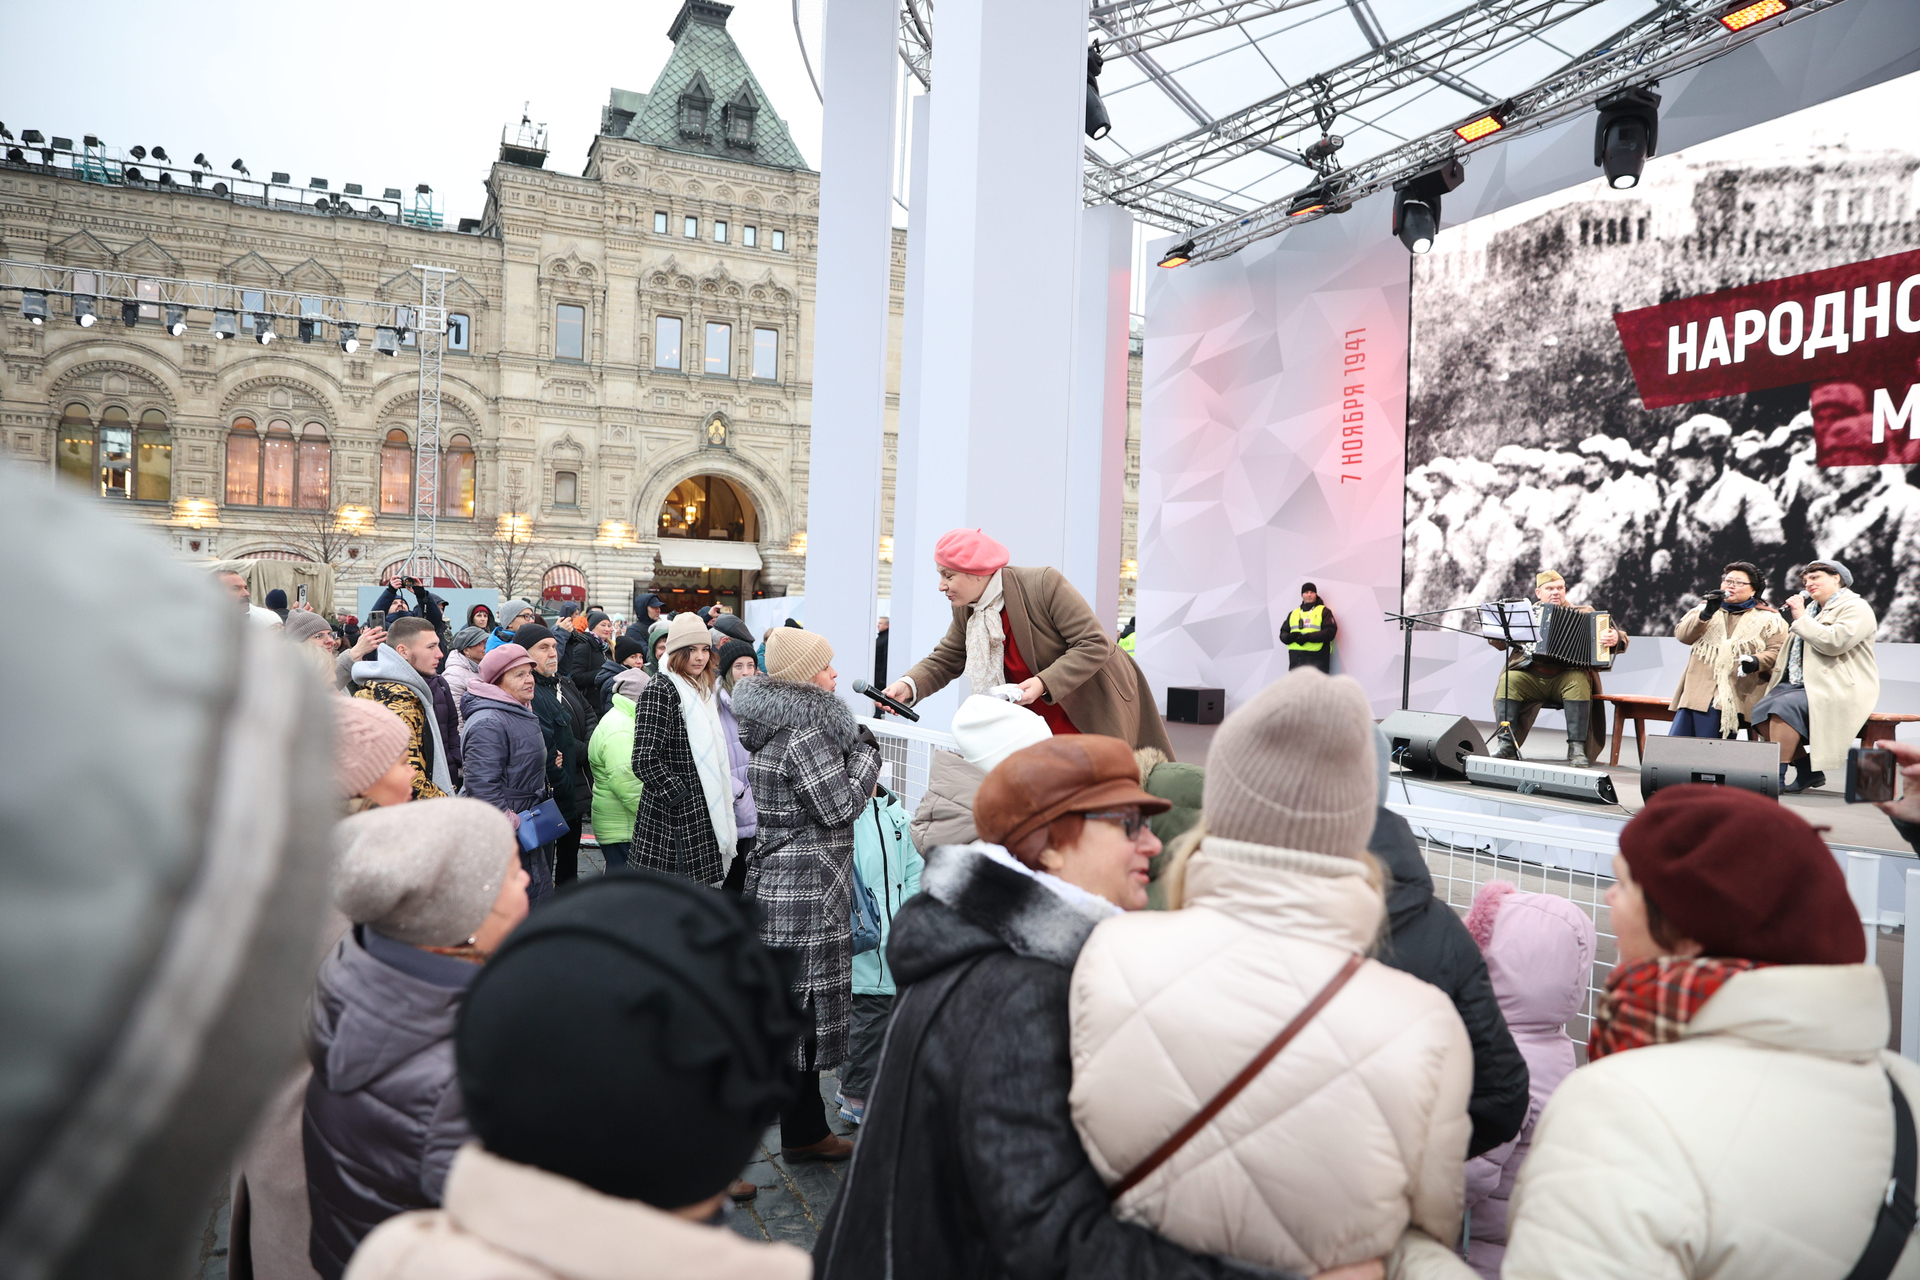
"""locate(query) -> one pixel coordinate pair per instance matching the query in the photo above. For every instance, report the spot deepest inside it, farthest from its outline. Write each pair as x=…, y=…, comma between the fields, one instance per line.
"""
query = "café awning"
x=708, y=553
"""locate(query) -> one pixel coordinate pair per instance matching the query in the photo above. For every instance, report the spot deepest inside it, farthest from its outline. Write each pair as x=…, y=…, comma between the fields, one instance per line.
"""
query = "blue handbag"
x=540, y=825
x=866, y=916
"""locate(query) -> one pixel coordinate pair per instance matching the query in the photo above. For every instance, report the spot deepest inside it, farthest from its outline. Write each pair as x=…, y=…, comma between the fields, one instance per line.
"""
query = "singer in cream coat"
x=1841, y=674
x=1357, y=1129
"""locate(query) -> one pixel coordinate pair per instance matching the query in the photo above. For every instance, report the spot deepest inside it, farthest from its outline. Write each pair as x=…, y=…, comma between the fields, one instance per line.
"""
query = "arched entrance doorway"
x=707, y=528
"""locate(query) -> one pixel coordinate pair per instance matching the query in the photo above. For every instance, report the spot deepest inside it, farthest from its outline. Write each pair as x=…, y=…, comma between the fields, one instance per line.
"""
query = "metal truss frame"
x=1687, y=35
x=430, y=330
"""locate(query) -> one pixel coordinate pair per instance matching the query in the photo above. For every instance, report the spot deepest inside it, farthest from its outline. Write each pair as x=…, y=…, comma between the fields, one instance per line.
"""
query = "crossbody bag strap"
x=1205, y=1115
x=1895, y=1220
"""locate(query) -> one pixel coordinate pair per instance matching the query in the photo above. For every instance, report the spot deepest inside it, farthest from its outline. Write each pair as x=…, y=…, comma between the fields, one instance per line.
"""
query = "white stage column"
x=1097, y=425
x=1003, y=248
x=913, y=584
x=850, y=333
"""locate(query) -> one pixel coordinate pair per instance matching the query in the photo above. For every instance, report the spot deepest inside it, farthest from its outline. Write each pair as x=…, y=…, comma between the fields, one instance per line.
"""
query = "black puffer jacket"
x=384, y=1114
x=1429, y=941
x=968, y=1164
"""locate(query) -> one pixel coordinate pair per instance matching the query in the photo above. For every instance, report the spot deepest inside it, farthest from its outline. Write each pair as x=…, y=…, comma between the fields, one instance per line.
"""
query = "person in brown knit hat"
x=1357, y=1132
x=370, y=760
x=1738, y=1106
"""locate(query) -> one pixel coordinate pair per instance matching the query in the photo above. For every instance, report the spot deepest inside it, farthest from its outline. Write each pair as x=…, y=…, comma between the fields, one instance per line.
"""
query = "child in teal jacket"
x=890, y=866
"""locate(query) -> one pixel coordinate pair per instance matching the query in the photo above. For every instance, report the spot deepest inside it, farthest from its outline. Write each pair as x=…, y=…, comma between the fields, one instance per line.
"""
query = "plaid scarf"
x=1652, y=1002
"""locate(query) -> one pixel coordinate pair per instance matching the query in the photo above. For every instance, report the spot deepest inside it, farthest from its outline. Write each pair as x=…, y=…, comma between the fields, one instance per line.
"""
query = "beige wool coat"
x=1062, y=642
x=1759, y=631
x=1354, y=1133
x=1758, y=1146
x=1841, y=674
x=506, y=1221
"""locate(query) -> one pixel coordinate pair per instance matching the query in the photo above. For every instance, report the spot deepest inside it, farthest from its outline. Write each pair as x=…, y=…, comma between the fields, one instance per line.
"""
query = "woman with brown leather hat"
x=968, y=1162
x=1739, y=1110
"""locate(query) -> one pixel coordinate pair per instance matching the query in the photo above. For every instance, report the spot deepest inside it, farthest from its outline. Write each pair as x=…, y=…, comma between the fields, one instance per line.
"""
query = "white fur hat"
x=989, y=730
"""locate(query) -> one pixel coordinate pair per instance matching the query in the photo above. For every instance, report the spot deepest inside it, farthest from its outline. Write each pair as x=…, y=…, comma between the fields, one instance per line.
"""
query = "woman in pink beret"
x=1029, y=627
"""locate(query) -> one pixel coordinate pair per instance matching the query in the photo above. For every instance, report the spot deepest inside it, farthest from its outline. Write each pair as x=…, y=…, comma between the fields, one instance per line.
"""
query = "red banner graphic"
x=1853, y=332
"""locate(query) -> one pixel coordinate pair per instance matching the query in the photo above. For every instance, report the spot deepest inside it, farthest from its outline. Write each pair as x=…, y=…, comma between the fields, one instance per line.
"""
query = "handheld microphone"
x=898, y=708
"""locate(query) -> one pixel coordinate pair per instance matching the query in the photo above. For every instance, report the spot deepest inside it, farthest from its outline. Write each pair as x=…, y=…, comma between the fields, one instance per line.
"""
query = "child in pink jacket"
x=1539, y=951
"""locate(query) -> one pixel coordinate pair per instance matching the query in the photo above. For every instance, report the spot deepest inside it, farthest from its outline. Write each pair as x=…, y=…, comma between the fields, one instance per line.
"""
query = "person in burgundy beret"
x=1737, y=1116
x=1029, y=628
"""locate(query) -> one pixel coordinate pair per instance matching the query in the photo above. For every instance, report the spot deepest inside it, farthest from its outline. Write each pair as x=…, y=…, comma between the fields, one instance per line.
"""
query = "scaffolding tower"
x=430, y=330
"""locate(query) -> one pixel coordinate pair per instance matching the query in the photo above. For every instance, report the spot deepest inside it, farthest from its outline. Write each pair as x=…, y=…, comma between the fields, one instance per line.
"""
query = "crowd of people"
x=1640, y=531
x=1094, y=1012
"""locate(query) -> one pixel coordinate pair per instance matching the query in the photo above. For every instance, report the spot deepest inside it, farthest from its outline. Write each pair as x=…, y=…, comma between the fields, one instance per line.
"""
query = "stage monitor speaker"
x=1432, y=742
x=1195, y=704
x=1719, y=762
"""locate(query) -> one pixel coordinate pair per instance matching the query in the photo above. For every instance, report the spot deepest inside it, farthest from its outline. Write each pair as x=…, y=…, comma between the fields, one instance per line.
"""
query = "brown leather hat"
x=1073, y=773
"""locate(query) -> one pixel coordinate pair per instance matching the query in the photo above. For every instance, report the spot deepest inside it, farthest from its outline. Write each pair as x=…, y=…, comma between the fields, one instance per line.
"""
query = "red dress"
x=1054, y=715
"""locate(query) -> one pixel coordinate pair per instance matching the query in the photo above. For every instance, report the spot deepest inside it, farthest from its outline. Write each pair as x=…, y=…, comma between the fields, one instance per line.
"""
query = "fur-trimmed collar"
x=1015, y=906
x=764, y=706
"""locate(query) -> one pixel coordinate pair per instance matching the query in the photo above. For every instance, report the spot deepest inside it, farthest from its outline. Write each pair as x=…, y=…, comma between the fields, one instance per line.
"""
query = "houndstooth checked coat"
x=671, y=829
x=811, y=776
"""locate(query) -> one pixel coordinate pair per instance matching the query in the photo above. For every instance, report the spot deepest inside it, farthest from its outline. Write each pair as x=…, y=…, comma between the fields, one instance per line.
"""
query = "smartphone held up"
x=1872, y=776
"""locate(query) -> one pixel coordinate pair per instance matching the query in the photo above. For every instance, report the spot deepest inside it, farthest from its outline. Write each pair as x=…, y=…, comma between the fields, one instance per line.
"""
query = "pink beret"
x=501, y=661
x=970, y=551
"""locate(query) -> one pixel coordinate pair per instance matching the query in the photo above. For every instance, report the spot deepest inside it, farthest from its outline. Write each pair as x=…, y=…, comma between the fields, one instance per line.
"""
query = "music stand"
x=1512, y=618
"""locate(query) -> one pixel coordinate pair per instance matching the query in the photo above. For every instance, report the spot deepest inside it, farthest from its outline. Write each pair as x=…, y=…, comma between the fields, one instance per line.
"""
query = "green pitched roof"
x=703, y=52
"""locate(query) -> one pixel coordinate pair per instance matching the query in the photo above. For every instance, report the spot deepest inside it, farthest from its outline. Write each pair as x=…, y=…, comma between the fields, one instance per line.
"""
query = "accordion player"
x=1560, y=669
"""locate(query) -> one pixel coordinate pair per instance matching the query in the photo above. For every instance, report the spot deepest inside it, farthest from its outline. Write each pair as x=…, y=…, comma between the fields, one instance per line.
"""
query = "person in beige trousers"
x=1357, y=1131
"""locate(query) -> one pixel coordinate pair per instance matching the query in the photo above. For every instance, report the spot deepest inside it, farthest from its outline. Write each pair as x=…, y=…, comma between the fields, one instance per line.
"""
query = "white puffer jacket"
x=1758, y=1146
x=1356, y=1130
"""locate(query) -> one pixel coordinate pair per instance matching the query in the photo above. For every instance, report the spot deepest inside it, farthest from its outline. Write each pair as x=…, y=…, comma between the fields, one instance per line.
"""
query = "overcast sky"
x=386, y=95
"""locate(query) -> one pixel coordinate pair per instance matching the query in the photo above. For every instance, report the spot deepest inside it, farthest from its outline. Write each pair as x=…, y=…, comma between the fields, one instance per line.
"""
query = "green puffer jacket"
x=1182, y=784
x=883, y=851
x=616, y=792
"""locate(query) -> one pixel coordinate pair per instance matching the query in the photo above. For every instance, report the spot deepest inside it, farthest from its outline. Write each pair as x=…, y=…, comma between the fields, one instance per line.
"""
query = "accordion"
x=1571, y=637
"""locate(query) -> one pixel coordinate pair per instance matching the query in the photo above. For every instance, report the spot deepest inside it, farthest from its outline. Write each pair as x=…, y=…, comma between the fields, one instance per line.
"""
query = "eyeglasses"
x=1130, y=820
x=1735, y=582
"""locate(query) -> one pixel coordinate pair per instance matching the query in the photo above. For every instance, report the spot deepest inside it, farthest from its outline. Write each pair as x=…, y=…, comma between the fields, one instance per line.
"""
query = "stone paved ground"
x=793, y=1199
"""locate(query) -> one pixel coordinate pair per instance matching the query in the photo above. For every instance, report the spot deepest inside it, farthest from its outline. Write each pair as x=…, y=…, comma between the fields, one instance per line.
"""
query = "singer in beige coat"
x=1841, y=674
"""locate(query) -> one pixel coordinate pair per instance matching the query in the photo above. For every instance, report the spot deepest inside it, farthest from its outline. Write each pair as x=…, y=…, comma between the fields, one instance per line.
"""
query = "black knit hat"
x=731, y=652
x=656, y=999
x=532, y=634
x=626, y=647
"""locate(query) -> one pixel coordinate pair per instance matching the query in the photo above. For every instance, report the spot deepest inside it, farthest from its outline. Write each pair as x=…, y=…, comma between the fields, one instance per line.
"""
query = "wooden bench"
x=1639, y=708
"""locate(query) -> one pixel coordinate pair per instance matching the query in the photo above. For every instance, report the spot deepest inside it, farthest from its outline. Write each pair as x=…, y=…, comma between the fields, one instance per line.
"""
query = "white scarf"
x=700, y=712
x=986, y=638
x=1721, y=656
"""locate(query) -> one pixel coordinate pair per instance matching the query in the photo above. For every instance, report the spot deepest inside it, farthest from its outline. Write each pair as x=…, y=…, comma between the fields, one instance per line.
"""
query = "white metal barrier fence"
x=908, y=751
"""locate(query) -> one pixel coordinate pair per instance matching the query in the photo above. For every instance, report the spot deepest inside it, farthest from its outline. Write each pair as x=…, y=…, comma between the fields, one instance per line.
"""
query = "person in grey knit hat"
x=1275, y=905
x=432, y=889
x=463, y=664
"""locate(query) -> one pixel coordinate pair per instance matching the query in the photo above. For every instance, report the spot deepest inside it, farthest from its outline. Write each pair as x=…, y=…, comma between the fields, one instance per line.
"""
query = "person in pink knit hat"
x=1029, y=628
x=371, y=767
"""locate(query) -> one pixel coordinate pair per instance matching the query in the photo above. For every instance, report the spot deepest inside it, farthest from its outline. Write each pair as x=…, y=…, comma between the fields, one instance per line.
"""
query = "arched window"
x=276, y=465
x=396, y=474
x=243, y=464
x=564, y=582
x=708, y=507
x=153, y=459
x=456, y=495
x=116, y=452
x=76, y=445
x=316, y=468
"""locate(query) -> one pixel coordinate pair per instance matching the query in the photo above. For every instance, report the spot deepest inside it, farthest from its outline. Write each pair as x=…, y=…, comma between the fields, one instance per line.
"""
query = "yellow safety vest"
x=1126, y=642
x=1306, y=620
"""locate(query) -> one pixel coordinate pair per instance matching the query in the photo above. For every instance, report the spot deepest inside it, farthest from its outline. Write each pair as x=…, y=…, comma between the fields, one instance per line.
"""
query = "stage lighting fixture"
x=197, y=179
x=177, y=321
x=1480, y=126
x=263, y=329
x=1627, y=132
x=423, y=190
x=1312, y=200
x=130, y=314
x=282, y=179
x=1416, y=204
x=33, y=138
x=384, y=341
x=33, y=306
x=306, y=331
x=83, y=311
x=224, y=326
x=91, y=142
x=139, y=153
x=1743, y=15
x=1537, y=777
x=166, y=179
x=16, y=155
x=160, y=154
x=200, y=159
x=131, y=174
x=1178, y=256
x=349, y=338
x=61, y=144
x=1099, y=124
x=240, y=167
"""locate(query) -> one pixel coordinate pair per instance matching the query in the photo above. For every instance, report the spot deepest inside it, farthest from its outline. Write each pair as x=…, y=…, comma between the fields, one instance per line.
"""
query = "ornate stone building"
x=626, y=384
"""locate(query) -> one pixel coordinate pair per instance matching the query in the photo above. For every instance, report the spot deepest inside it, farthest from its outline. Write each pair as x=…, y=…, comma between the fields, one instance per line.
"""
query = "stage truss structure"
x=430, y=326
x=1669, y=38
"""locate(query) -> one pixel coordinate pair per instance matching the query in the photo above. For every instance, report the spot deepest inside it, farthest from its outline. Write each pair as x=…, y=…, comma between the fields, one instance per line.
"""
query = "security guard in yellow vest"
x=1308, y=633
